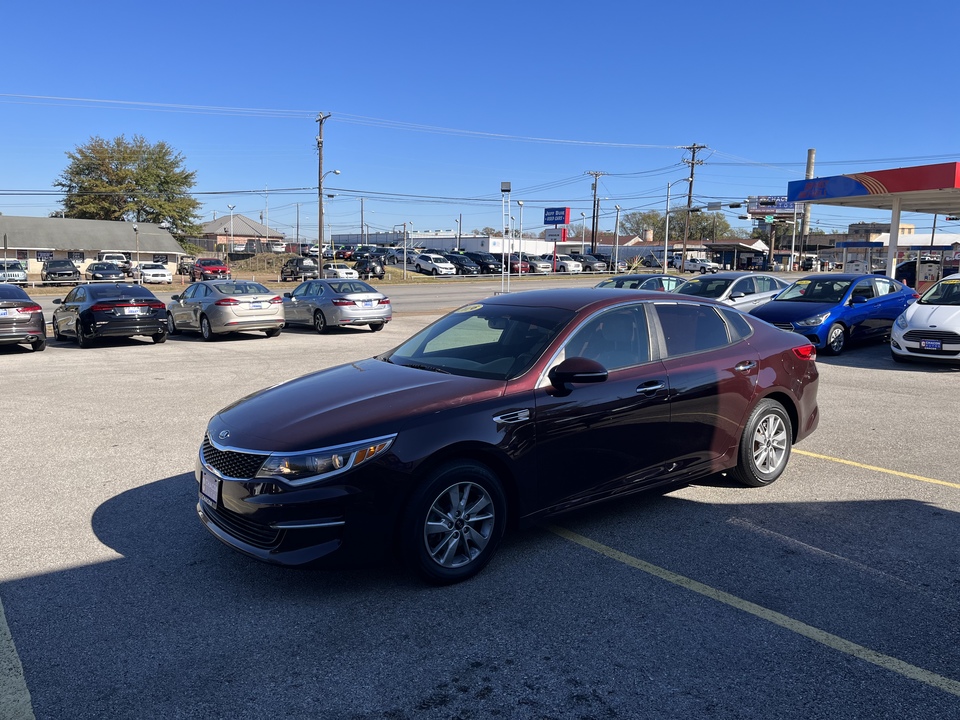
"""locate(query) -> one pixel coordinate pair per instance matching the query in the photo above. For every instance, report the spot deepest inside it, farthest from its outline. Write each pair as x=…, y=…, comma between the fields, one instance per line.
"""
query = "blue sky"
x=434, y=104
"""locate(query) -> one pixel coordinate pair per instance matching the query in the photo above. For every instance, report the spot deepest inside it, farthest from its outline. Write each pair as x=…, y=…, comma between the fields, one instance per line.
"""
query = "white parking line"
x=14, y=697
x=832, y=641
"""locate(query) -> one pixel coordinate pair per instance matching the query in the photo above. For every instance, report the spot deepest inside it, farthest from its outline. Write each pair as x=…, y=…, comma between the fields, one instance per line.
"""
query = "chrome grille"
x=229, y=463
x=944, y=336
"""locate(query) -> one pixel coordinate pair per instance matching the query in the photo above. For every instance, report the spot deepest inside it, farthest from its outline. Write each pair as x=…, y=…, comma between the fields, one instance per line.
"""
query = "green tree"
x=130, y=181
x=635, y=223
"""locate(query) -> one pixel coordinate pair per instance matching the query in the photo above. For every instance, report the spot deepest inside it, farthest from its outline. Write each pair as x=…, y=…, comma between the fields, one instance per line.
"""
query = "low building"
x=34, y=240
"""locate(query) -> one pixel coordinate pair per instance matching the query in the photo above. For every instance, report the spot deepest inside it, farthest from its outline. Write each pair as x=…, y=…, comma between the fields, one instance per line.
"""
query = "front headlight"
x=814, y=321
x=316, y=465
x=902, y=321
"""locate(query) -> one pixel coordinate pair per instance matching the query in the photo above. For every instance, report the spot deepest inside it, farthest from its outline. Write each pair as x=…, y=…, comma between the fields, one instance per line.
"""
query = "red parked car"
x=209, y=269
x=501, y=413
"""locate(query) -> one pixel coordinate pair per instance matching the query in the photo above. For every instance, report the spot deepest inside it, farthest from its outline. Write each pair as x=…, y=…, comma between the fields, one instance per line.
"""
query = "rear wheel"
x=39, y=345
x=454, y=522
x=376, y=327
x=765, y=445
x=273, y=332
x=836, y=339
x=82, y=340
x=158, y=338
x=319, y=322
x=206, y=331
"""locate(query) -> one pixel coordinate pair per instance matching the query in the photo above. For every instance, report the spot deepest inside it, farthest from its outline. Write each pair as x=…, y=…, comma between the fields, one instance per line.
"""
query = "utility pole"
x=596, y=209
x=805, y=222
x=320, y=119
x=692, y=162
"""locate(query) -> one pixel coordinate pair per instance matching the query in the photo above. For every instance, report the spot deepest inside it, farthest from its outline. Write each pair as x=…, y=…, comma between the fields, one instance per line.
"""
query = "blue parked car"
x=832, y=310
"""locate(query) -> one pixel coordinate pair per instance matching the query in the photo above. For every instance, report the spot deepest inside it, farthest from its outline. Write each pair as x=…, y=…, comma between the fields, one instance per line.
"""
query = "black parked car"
x=21, y=319
x=60, y=271
x=104, y=271
x=299, y=268
x=114, y=310
x=487, y=262
x=369, y=267
x=463, y=264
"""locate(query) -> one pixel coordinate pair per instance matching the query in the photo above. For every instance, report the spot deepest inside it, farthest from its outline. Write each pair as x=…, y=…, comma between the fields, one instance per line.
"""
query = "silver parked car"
x=11, y=271
x=332, y=303
x=218, y=307
x=742, y=290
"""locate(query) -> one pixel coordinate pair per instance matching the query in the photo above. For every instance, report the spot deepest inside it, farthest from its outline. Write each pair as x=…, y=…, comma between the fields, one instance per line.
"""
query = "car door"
x=603, y=438
x=890, y=302
x=712, y=372
x=861, y=312
x=743, y=294
x=67, y=314
x=298, y=308
x=180, y=309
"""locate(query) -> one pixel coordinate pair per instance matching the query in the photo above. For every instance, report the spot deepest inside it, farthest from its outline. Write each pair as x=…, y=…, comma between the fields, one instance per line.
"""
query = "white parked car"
x=700, y=265
x=564, y=263
x=434, y=265
x=537, y=264
x=929, y=329
x=340, y=270
x=154, y=273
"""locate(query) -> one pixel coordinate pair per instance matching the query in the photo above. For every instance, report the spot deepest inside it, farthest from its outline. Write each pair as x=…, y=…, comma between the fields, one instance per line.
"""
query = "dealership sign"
x=556, y=216
x=555, y=235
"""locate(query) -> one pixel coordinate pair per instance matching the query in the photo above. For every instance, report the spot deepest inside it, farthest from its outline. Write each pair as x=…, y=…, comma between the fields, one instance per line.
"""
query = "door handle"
x=651, y=388
x=745, y=365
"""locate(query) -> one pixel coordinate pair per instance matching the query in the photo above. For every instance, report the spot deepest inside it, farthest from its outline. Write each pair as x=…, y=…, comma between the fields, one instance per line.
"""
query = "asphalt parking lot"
x=832, y=593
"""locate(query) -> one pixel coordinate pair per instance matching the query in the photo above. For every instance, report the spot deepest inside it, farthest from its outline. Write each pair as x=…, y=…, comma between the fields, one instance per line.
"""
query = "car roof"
x=574, y=299
x=734, y=274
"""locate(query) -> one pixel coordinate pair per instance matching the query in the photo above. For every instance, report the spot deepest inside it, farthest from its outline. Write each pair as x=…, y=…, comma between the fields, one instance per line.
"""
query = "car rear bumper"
x=243, y=325
x=129, y=328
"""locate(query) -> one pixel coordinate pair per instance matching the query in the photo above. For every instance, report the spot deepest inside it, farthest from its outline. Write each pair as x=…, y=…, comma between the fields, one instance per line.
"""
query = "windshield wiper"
x=432, y=368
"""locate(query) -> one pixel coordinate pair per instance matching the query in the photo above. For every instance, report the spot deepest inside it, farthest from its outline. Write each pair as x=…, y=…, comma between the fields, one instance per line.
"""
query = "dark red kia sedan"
x=468, y=427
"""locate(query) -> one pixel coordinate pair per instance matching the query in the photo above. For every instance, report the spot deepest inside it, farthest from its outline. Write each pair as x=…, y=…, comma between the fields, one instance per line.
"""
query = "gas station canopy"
x=926, y=189
x=933, y=189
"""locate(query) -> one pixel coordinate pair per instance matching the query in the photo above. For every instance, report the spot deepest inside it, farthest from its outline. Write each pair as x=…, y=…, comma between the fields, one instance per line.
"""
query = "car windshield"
x=496, y=342
x=11, y=265
x=705, y=287
x=56, y=264
x=350, y=286
x=206, y=263
x=241, y=288
x=820, y=290
x=118, y=291
x=945, y=292
x=152, y=266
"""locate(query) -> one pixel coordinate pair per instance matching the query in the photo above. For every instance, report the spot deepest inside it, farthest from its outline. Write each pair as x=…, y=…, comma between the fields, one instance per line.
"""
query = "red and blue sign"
x=945, y=176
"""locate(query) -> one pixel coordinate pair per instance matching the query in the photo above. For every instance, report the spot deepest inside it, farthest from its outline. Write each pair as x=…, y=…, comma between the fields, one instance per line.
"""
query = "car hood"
x=929, y=316
x=791, y=311
x=343, y=404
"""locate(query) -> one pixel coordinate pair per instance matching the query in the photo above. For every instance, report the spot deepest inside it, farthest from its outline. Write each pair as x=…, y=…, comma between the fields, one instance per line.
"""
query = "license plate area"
x=931, y=345
x=133, y=311
x=366, y=303
x=209, y=486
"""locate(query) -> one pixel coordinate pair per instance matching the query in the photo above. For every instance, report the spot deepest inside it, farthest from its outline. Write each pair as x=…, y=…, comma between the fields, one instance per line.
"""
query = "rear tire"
x=82, y=340
x=158, y=338
x=376, y=327
x=454, y=522
x=206, y=332
x=764, y=446
x=273, y=332
x=39, y=345
x=319, y=322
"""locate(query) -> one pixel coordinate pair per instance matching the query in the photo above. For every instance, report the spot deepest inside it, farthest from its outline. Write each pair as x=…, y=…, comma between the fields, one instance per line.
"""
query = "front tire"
x=56, y=332
x=836, y=339
x=765, y=445
x=172, y=328
x=454, y=522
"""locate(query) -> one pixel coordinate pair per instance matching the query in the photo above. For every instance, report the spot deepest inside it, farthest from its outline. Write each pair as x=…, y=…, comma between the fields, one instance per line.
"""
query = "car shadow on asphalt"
x=876, y=356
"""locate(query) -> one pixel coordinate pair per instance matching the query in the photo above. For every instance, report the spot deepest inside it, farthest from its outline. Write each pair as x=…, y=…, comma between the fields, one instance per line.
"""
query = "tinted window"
x=705, y=287
x=12, y=292
x=691, y=328
x=864, y=289
x=615, y=339
x=739, y=327
x=112, y=290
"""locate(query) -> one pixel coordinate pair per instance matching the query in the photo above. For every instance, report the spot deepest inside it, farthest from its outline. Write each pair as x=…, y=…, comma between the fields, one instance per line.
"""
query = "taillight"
x=227, y=301
x=276, y=300
x=805, y=352
x=102, y=307
x=31, y=309
x=385, y=301
x=157, y=306
x=344, y=303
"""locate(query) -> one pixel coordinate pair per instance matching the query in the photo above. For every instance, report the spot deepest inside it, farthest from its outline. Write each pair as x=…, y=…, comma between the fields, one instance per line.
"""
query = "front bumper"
x=925, y=344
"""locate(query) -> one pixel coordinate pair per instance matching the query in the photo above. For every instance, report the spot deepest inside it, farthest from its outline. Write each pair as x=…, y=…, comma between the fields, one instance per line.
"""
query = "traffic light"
x=734, y=205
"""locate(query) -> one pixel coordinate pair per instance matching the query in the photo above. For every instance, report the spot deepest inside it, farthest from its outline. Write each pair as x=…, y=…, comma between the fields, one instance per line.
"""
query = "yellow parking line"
x=910, y=476
x=832, y=641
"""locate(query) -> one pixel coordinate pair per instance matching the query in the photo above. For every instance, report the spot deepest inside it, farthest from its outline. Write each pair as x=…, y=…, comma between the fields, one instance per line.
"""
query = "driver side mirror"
x=576, y=370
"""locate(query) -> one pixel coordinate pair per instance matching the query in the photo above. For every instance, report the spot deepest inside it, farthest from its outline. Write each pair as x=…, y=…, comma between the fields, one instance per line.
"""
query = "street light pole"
x=231, y=227
x=328, y=172
x=666, y=228
x=583, y=231
x=520, y=254
x=616, y=242
x=136, y=232
x=320, y=119
x=459, y=222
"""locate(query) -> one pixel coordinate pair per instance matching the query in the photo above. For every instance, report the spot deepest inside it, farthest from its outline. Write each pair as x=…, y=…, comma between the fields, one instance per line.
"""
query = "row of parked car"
x=211, y=308
x=65, y=272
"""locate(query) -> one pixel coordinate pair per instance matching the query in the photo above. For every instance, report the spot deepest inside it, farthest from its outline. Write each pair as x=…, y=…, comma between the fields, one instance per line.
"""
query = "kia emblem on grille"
x=224, y=434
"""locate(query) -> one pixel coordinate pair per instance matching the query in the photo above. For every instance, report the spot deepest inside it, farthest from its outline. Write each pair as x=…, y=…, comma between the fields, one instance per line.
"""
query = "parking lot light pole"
x=520, y=253
x=583, y=231
x=616, y=242
x=136, y=232
x=232, y=248
x=666, y=226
